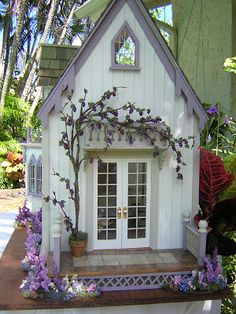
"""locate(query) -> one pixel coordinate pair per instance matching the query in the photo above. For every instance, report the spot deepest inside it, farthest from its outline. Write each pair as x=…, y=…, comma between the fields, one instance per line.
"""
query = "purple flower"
x=212, y=110
x=24, y=216
x=92, y=287
x=177, y=280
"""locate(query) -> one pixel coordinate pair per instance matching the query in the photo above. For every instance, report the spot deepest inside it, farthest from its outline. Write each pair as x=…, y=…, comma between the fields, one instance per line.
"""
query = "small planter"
x=78, y=248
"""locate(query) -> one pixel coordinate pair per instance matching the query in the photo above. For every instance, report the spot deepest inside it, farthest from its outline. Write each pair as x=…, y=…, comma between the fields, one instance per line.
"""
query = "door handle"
x=125, y=211
x=119, y=213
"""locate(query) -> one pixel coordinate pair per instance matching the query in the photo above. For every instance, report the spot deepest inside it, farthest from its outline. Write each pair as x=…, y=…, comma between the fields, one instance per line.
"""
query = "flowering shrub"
x=38, y=284
x=24, y=216
x=14, y=167
x=219, y=133
x=208, y=279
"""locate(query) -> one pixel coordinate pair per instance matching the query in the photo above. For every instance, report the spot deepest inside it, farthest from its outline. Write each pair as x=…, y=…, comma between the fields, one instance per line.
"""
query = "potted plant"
x=78, y=243
x=127, y=121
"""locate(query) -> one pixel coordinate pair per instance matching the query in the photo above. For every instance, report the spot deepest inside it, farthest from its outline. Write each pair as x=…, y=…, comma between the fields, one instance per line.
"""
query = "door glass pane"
x=101, y=212
x=132, y=234
x=132, y=178
x=131, y=212
x=132, y=189
x=107, y=201
x=111, y=201
x=137, y=192
x=111, y=212
x=102, y=190
x=112, y=167
x=142, y=167
x=102, y=167
x=111, y=234
x=142, y=189
x=111, y=189
x=132, y=167
x=141, y=233
x=102, y=178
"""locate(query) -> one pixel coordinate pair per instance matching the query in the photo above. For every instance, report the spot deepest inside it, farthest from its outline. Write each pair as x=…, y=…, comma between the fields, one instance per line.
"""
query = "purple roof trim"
x=168, y=60
x=98, y=31
x=67, y=80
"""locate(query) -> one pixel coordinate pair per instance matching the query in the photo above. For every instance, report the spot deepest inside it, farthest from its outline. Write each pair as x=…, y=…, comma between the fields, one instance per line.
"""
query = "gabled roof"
x=67, y=80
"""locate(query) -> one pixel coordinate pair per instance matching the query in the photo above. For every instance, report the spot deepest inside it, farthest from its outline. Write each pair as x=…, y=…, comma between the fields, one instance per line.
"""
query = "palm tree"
x=20, y=11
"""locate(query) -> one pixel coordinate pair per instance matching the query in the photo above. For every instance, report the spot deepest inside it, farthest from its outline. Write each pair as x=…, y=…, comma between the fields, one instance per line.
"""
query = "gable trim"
x=182, y=86
x=67, y=80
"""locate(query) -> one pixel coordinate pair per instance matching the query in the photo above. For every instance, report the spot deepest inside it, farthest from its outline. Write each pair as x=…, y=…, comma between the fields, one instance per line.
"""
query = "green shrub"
x=229, y=267
x=14, y=121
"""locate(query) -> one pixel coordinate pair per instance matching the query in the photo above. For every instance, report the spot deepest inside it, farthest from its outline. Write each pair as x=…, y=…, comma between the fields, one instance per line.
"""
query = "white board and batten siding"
x=152, y=88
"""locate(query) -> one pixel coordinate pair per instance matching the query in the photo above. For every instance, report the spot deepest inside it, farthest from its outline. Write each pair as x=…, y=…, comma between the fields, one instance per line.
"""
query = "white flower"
x=24, y=282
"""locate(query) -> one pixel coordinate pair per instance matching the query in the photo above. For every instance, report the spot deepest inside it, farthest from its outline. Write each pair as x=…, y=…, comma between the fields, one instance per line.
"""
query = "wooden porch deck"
x=113, y=262
x=12, y=275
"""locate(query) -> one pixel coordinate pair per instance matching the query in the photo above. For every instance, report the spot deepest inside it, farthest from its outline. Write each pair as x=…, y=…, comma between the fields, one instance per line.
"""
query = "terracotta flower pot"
x=78, y=248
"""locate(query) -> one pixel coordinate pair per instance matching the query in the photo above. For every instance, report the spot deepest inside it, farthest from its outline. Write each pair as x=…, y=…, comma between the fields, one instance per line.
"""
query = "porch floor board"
x=102, y=263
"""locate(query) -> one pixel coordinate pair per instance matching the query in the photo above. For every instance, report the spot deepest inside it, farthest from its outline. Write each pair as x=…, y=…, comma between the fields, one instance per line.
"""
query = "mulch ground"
x=11, y=276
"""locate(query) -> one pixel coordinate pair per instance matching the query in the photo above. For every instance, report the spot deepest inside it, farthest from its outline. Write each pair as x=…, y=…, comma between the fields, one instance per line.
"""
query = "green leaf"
x=230, y=166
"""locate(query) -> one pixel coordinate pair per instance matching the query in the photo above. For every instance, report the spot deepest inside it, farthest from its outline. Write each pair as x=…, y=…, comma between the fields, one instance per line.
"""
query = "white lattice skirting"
x=134, y=281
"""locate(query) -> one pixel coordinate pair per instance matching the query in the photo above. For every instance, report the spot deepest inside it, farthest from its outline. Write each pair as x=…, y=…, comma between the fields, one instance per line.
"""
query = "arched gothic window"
x=125, y=49
x=35, y=175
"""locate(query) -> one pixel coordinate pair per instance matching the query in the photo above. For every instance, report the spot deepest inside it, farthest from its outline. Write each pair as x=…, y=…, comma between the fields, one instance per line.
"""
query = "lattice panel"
x=133, y=282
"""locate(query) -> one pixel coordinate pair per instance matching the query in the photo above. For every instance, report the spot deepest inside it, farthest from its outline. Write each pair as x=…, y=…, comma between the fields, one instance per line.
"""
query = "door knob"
x=125, y=210
x=119, y=213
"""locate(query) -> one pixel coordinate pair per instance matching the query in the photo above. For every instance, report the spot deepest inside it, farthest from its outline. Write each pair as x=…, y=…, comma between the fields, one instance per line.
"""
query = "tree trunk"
x=22, y=5
x=5, y=43
x=37, y=96
x=29, y=71
x=63, y=33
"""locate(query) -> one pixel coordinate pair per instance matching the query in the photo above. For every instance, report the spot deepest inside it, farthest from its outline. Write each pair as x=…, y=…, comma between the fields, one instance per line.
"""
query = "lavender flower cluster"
x=210, y=278
x=38, y=284
x=33, y=223
x=24, y=216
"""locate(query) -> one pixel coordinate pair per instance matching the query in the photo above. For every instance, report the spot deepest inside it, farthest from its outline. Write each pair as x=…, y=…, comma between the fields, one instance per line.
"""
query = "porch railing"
x=194, y=240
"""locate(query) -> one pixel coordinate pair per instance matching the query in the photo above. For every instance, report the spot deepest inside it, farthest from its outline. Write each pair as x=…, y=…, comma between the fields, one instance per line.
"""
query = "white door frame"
x=122, y=240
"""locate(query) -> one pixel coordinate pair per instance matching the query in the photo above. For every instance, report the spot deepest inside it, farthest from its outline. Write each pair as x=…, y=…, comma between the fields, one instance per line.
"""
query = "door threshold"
x=120, y=251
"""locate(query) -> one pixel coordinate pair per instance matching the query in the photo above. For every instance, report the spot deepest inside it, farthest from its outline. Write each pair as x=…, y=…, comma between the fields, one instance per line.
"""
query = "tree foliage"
x=25, y=26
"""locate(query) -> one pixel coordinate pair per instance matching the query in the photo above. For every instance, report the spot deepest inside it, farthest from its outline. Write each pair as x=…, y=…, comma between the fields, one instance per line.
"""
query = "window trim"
x=39, y=163
x=114, y=65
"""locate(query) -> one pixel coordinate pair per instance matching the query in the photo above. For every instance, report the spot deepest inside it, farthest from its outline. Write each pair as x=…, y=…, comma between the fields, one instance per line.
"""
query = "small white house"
x=153, y=80
x=134, y=200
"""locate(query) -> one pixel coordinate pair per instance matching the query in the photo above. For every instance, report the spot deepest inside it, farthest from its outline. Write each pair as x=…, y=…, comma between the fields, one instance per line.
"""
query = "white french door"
x=122, y=210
